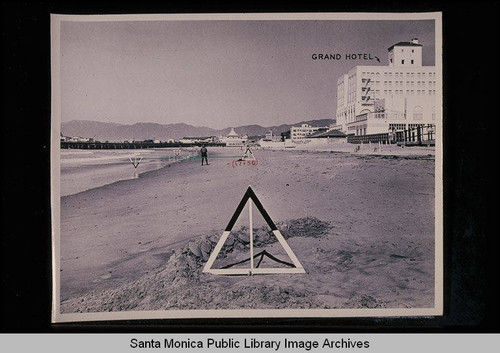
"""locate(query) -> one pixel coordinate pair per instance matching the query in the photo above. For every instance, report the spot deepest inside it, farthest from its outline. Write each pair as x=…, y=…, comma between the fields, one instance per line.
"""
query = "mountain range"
x=145, y=131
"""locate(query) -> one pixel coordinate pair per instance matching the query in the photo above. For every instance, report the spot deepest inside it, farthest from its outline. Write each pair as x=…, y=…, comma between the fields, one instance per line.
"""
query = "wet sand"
x=135, y=244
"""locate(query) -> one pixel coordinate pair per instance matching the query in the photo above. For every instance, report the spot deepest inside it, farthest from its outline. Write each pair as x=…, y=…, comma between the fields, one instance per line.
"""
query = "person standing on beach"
x=204, y=154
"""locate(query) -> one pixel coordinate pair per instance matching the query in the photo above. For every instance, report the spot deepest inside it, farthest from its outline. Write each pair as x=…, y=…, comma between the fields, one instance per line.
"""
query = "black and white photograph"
x=246, y=165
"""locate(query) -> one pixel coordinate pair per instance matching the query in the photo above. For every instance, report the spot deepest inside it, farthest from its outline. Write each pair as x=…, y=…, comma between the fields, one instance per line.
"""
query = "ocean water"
x=83, y=170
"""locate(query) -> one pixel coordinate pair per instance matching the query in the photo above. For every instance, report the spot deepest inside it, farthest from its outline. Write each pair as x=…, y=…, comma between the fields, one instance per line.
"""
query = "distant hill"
x=139, y=131
x=144, y=131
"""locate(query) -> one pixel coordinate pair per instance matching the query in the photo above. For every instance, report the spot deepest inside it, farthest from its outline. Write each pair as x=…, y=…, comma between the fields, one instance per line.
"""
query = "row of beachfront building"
x=397, y=102
x=296, y=134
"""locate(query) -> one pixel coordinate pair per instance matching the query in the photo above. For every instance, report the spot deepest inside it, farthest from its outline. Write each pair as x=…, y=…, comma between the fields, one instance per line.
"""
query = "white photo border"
x=58, y=317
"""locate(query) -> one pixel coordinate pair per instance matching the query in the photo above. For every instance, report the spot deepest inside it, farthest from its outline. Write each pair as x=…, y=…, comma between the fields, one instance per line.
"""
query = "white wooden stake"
x=251, y=233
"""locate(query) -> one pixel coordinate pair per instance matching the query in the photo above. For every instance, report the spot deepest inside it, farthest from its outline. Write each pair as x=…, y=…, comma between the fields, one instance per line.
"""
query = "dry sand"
x=361, y=225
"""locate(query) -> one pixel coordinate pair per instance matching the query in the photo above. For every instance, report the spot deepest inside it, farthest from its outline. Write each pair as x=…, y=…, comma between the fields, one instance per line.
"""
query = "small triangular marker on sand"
x=250, y=197
x=247, y=156
x=135, y=163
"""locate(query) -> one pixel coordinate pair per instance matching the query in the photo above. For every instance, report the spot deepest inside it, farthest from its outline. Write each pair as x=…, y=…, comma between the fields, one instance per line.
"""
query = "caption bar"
x=296, y=342
x=249, y=343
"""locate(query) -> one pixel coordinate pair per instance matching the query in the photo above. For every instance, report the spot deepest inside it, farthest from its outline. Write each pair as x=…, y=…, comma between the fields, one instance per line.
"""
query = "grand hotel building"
x=386, y=99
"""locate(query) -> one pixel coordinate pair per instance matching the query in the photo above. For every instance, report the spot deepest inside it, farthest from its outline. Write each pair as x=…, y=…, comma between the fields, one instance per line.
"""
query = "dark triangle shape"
x=261, y=255
x=249, y=194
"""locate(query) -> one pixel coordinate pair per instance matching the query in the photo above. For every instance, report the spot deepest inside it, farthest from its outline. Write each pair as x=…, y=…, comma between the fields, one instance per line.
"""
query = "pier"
x=96, y=145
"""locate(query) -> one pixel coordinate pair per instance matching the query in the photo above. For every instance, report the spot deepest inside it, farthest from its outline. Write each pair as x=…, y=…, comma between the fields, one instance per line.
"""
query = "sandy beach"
x=361, y=224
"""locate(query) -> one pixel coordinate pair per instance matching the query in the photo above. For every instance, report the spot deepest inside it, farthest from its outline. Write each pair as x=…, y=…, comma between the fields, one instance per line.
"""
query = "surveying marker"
x=135, y=162
x=251, y=198
x=248, y=155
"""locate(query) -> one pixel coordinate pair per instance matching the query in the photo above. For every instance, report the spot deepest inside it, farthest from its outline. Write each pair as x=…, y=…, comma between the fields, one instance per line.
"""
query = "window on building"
x=397, y=126
x=411, y=61
x=402, y=62
x=418, y=113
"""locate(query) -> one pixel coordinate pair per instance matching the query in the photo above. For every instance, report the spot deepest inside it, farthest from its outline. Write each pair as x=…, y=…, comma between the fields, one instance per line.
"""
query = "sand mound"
x=182, y=285
x=239, y=240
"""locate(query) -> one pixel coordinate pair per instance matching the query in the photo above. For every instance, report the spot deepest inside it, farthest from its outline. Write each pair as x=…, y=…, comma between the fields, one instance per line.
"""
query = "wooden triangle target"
x=135, y=162
x=293, y=267
x=247, y=156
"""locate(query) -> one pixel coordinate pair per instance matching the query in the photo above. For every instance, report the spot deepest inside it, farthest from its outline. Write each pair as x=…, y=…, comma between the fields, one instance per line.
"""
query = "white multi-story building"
x=301, y=132
x=382, y=99
x=270, y=136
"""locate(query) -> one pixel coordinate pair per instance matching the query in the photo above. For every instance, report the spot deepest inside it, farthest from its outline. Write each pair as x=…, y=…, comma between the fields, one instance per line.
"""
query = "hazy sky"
x=217, y=73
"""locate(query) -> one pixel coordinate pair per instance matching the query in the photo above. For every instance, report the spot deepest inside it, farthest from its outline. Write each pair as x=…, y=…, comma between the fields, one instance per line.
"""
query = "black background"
x=470, y=43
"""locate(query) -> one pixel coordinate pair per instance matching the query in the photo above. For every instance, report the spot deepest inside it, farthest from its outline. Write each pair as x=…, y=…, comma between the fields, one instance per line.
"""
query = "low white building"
x=76, y=139
x=233, y=139
x=394, y=114
x=270, y=136
x=200, y=139
x=299, y=133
